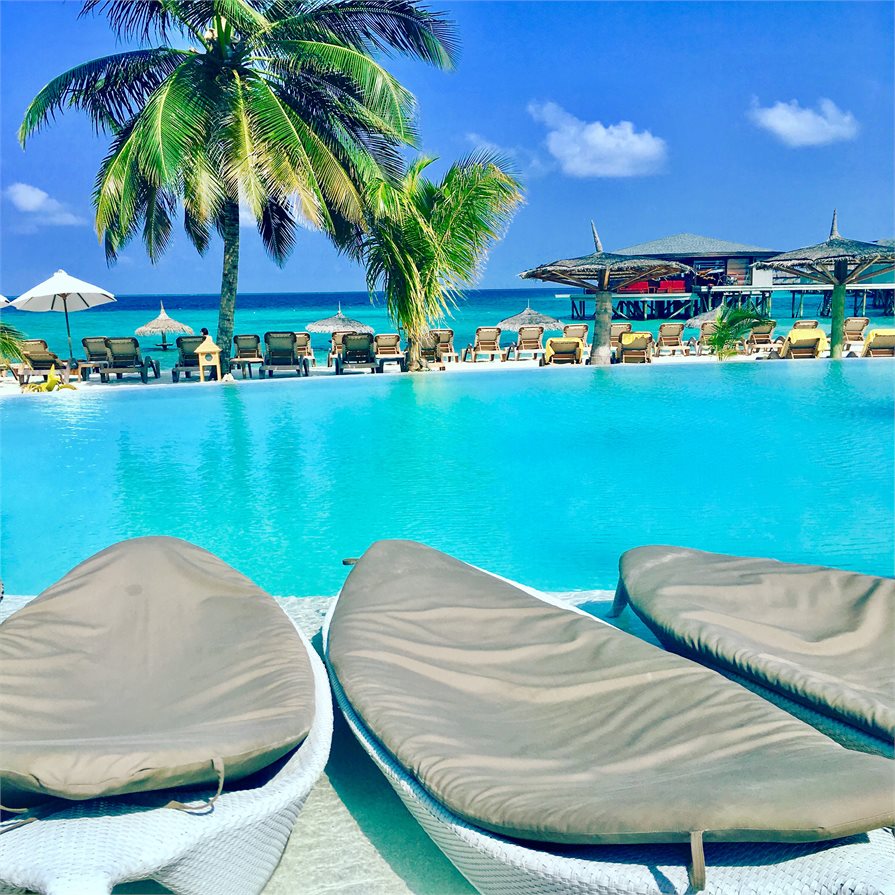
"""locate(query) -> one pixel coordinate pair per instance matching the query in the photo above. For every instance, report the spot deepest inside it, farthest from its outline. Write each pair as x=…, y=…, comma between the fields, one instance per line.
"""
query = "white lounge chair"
x=231, y=848
x=497, y=865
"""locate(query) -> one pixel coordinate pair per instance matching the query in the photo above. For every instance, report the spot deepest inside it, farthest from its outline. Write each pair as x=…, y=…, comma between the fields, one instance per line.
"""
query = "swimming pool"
x=544, y=476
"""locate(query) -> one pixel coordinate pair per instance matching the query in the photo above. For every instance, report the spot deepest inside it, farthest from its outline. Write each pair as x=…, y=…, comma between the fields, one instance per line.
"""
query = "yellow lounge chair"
x=803, y=342
x=635, y=348
x=615, y=333
x=563, y=351
x=879, y=343
x=577, y=331
x=702, y=344
x=805, y=324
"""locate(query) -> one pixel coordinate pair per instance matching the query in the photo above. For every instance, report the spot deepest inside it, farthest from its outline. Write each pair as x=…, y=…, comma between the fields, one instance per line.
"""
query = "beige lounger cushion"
x=821, y=636
x=141, y=666
x=540, y=723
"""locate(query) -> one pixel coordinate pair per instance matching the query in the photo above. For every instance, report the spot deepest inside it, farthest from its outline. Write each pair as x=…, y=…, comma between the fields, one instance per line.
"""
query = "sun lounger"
x=38, y=360
x=545, y=751
x=880, y=343
x=246, y=354
x=615, y=333
x=803, y=342
x=853, y=331
x=158, y=665
x=702, y=345
x=487, y=343
x=670, y=338
x=335, y=348
x=358, y=353
x=635, y=348
x=97, y=358
x=437, y=347
x=805, y=324
x=577, y=331
x=303, y=348
x=563, y=351
x=126, y=358
x=279, y=355
x=444, y=346
x=530, y=342
x=761, y=337
x=816, y=637
x=187, y=358
x=387, y=348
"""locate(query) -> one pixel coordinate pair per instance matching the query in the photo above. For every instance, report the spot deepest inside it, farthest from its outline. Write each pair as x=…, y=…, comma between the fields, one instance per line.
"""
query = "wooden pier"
x=811, y=299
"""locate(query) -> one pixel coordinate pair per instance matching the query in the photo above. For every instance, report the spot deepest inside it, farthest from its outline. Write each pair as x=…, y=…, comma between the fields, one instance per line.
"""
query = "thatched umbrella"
x=162, y=325
x=709, y=316
x=600, y=273
x=530, y=317
x=836, y=262
x=338, y=323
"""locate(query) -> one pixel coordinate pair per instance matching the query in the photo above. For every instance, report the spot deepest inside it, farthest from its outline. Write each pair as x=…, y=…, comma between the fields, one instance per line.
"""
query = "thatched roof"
x=338, y=323
x=818, y=262
x=530, y=317
x=691, y=245
x=605, y=270
x=163, y=324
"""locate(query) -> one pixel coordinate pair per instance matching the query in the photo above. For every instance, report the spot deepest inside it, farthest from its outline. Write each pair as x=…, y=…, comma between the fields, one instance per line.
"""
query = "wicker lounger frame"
x=231, y=849
x=495, y=865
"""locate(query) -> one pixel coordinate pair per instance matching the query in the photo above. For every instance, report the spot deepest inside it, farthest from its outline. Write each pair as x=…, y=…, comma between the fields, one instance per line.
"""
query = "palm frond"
x=390, y=27
x=378, y=94
x=111, y=89
x=10, y=342
x=276, y=227
x=141, y=19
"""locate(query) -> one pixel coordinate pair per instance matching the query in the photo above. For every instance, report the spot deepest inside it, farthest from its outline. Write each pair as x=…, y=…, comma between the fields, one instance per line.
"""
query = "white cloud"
x=39, y=208
x=796, y=126
x=592, y=149
x=526, y=162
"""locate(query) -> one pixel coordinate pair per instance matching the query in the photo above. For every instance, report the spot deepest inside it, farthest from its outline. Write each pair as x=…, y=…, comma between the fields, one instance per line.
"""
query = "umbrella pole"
x=71, y=354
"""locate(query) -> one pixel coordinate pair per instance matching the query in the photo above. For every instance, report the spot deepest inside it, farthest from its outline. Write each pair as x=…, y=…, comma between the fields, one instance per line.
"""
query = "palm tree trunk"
x=414, y=356
x=229, y=280
x=837, y=309
x=600, y=352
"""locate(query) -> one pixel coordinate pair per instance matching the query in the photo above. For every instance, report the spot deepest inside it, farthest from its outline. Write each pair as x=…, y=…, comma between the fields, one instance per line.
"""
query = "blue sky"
x=745, y=121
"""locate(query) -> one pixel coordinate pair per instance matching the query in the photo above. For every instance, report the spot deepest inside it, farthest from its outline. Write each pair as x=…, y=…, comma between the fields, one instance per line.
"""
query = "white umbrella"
x=62, y=292
x=4, y=301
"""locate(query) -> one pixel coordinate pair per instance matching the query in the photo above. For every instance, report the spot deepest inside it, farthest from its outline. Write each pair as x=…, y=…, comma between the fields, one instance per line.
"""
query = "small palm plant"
x=424, y=241
x=732, y=327
x=278, y=105
x=10, y=343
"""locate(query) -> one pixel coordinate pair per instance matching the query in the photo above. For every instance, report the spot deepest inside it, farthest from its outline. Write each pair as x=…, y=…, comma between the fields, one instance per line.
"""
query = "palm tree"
x=733, y=326
x=425, y=241
x=277, y=105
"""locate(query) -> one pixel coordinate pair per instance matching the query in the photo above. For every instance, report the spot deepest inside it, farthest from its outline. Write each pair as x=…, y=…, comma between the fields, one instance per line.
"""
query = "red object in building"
x=671, y=286
x=640, y=287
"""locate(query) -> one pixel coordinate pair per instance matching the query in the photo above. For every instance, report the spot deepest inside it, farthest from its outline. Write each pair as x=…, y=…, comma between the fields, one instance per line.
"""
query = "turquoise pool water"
x=544, y=476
